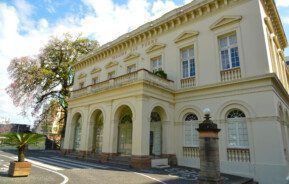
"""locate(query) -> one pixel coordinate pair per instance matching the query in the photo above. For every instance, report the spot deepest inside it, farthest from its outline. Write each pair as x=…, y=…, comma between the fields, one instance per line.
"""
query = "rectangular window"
x=94, y=80
x=156, y=63
x=229, y=53
x=188, y=62
x=131, y=68
x=81, y=85
x=111, y=75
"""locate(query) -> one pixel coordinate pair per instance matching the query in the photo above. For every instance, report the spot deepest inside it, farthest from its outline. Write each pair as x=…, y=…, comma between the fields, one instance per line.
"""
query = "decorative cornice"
x=95, y=70
x=131, y=56
x=111, y=64
x=190, y=12
x=226, y=20
x=269, y=24
x=186, y=35
x=155, y=47
x=81, y=76
x=168, y=21
x=273, y=22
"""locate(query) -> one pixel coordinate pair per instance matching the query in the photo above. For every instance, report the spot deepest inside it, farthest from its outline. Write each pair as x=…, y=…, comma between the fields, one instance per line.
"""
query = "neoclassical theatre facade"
x=141, y=96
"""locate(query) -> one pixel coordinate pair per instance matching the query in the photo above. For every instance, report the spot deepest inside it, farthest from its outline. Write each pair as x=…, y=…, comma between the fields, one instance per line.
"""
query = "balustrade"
x=79, y=92
x=100, y=86
x=231, y=74
x=192, y=152
x=238, y=154
x=188, y=82
x=140, y=75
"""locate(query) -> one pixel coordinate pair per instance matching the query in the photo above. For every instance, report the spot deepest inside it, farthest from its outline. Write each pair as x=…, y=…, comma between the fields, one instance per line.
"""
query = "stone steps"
x=160, y=163
x=121, y=160
x=250, y=181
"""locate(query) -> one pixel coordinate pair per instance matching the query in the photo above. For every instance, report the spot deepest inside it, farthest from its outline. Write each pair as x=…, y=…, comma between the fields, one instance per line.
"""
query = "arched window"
x=237, y=129
x=191, y=137
x=155, y=117
x=126, y=119
x=77, y=135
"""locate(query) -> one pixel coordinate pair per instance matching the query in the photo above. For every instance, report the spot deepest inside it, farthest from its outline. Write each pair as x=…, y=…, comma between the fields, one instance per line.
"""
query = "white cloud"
x=285, y=20
x=105, y=22
x=160, y=7
x=282, y=3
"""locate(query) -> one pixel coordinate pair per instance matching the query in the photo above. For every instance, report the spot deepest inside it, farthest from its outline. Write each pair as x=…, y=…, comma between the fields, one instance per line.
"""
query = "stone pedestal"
x=209, y=152
x=66, y=151
x=104, y=157
x=83, y=153
x=172, y=158
x=140, y=162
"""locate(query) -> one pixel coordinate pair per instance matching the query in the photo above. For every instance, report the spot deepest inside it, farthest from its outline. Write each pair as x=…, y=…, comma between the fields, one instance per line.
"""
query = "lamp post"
x=209, y=151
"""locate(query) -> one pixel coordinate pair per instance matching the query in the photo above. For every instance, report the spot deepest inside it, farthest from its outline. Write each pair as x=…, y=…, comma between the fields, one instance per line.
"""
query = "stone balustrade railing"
x=192, y=152
x=238, y=154
x=231, y=74
x=79, y=92
x=188, y=82
x=139, y=75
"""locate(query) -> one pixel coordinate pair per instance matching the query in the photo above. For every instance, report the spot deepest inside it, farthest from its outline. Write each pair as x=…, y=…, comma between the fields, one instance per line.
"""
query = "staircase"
x=159, y=163
x=92, y=157
x=250, y=181
x=121, y=160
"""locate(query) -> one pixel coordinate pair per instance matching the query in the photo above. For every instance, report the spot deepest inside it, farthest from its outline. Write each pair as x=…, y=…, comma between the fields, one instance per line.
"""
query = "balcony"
x=230, y=74
x=191, y=152
x=188, y=82
x=141, y=75
x=238, y=154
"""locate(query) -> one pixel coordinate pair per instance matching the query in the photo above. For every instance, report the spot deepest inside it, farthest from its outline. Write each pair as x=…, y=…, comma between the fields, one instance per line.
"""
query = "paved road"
x=50, y=167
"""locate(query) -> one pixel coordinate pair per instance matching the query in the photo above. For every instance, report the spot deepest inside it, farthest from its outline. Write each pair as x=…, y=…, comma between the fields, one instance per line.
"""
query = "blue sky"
x=25, y=25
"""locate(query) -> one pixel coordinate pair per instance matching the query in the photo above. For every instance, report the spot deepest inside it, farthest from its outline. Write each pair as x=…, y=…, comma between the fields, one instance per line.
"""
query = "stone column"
x=209, y=151
x=83, y=148
x=140, y=136
x=67, y=139
x=168, y=138
x=107, y=142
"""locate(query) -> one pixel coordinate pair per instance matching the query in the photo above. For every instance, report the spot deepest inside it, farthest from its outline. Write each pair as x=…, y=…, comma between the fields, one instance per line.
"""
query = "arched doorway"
x=77, y=131
x=124, y=145
x=97, y=128
x=155, y=142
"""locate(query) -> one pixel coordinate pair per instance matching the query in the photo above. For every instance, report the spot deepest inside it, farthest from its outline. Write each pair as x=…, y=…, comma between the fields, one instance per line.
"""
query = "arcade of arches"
x=146, y=133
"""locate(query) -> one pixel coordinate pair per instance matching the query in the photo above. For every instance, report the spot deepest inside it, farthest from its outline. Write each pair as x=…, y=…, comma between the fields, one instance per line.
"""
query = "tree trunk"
x=21, y=155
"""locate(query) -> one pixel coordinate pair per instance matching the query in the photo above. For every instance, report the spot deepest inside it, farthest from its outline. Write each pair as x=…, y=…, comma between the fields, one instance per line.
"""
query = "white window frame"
x=236, y=122
x=95, y=80
x=159, y=61
x=190, y=130
x=228, y=48
x=111, y=74
x=189, y=63
x=131, y=68
x=81, y=85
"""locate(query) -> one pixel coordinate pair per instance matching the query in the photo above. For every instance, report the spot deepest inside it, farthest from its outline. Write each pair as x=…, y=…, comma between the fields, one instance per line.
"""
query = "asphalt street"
x=52, y=168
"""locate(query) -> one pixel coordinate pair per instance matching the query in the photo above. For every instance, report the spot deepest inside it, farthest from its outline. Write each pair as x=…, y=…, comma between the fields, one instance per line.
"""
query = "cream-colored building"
x=227, y=55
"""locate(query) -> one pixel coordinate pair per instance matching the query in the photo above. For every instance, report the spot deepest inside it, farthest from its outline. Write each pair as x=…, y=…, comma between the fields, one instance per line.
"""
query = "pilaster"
x=68, y=136
x=84, y=132
x=107, y=139
x=141, y=127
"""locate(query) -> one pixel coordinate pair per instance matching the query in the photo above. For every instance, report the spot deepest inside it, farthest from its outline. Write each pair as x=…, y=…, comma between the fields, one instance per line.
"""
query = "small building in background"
x=8, y=127
x=287, y=60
